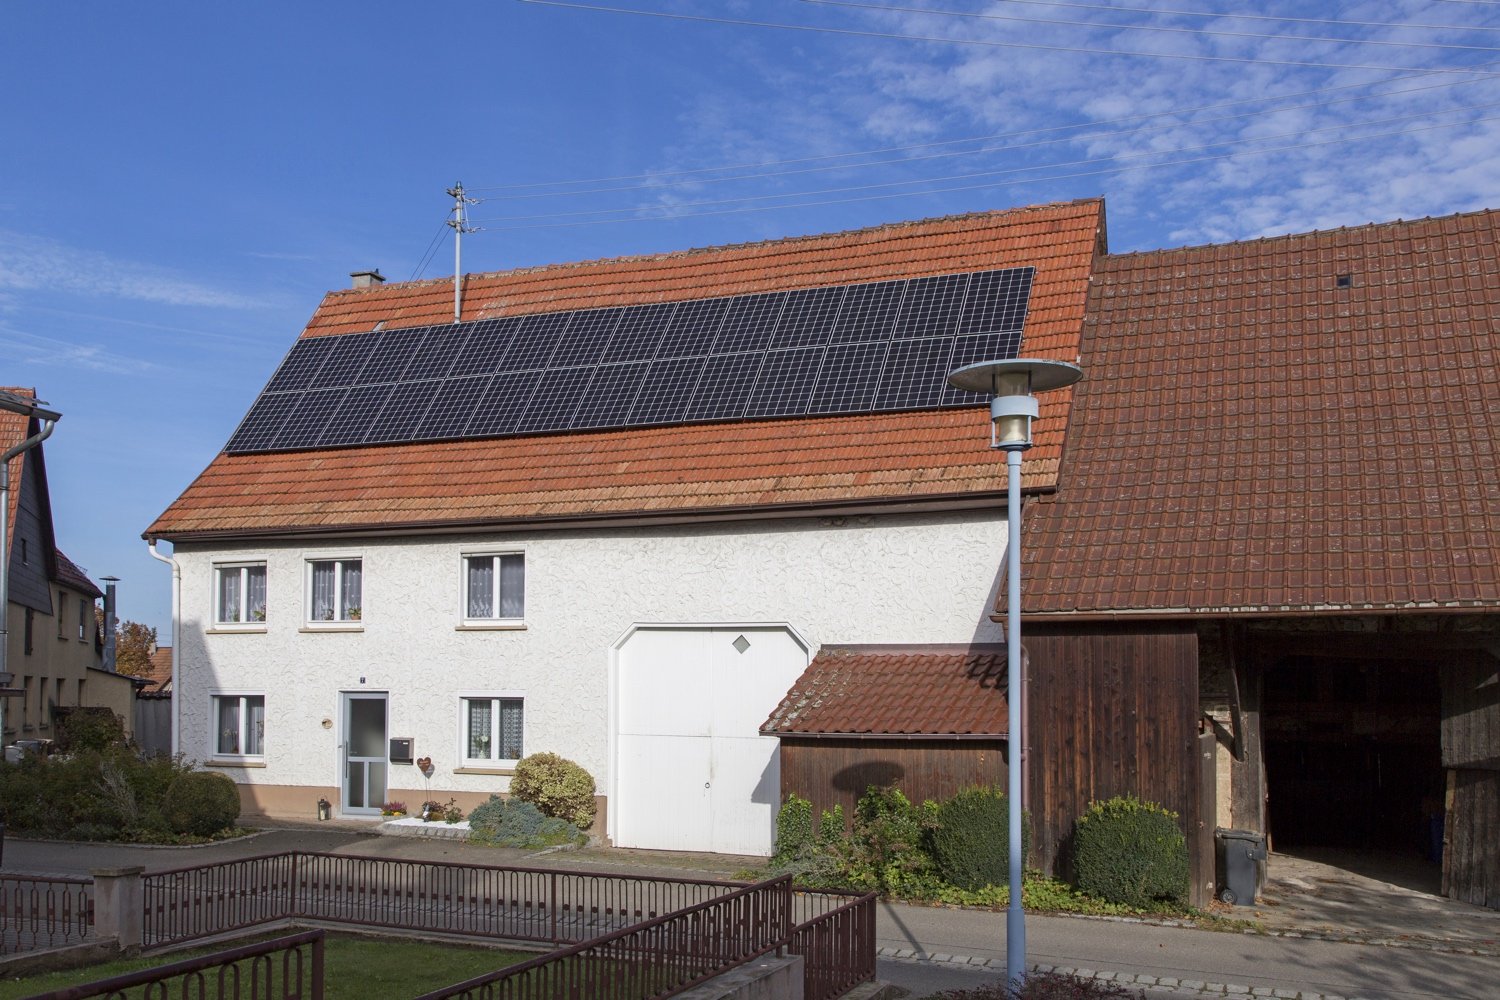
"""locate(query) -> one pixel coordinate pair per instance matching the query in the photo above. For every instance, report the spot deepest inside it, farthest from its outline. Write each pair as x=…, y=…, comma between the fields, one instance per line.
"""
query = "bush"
x=1132, y=852
x=201, y=803
x=886, y=849
x=88, y=728
x=970, y=839
x=514, y=823
x=556, y=786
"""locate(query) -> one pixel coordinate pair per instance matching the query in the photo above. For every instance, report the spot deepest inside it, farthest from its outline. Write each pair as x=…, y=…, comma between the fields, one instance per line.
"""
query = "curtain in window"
x=229, y=595
x=351, y=605
x=513, y=586
x=479, y=729
x=510, y=729
x=255, y=593
x=255, y=725
x=229, y=726
x=481, y=570
x=322, y=591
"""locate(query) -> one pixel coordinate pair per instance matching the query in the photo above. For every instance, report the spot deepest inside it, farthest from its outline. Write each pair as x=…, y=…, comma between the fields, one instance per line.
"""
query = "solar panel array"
x=841, y=349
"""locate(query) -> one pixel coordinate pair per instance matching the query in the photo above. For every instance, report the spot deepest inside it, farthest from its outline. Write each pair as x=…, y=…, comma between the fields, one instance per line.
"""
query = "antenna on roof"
x=460, y=224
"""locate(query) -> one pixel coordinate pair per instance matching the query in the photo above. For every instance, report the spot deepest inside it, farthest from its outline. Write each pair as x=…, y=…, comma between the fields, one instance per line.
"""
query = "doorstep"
x=409, y=827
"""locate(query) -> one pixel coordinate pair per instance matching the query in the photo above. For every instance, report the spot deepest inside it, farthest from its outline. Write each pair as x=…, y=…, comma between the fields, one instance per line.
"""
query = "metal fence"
x=39, y=912
x=837, y=942
x=654, y=958
x=522, y=904
x=284, y=968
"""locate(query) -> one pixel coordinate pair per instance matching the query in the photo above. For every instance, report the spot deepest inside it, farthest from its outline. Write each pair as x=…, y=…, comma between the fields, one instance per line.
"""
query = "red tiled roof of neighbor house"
x=1304, y=423
x=934, y=690
x=70, y=574
x=702, y=469
x=159, y=671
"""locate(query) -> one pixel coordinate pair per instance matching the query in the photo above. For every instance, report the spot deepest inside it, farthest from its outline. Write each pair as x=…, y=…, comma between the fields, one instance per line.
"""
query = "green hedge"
x=201, y=803
x=970, y=838
x=1131, y=852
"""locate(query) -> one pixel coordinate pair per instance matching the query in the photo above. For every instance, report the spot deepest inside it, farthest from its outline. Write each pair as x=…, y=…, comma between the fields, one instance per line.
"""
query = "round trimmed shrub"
x=556, y=786
x=201, y=803
x=1132, y=852
x=513, y=823
x=971, y=838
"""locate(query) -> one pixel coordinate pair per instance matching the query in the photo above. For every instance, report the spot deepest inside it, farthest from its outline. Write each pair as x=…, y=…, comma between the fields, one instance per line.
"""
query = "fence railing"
x=284, y=968
x=523, y=904
x=655, y=958
x=39, y=912
x=837, y=943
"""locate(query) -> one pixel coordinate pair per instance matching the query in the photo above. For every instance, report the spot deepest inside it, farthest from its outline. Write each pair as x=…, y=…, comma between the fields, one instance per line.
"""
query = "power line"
x=993, y=173
x=994, y=43
x=432, y=247
x=1076, y=137
x=1174, y=29
x=996, y=184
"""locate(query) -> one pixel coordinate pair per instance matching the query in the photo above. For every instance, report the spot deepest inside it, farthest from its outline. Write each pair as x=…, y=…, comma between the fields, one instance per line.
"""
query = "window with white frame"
x=492, y=728
x=240, y=594
x=85, y=619
x=333, y=590
x=495, y=587
x=239, y=725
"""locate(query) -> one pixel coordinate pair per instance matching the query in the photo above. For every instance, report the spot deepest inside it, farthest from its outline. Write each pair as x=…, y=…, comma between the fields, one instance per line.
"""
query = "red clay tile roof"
x=936, y=690
x=1251, y=437
x=160, y=673
x=928, y=456
x=69, y=574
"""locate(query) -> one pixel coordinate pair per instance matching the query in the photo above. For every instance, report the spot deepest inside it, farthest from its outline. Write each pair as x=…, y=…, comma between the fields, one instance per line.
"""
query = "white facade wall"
x=873, y=579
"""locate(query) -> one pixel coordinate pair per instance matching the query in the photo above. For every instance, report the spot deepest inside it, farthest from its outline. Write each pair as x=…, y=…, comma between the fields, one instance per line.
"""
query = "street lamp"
x=28, y=407
x=1012, y=409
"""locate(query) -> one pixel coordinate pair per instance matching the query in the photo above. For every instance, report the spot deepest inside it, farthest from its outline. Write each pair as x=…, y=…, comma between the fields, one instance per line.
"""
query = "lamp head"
x=1011, y=384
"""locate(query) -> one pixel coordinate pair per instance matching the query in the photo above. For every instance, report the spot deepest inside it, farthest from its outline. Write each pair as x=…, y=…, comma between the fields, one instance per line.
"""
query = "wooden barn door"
x=1471, y=755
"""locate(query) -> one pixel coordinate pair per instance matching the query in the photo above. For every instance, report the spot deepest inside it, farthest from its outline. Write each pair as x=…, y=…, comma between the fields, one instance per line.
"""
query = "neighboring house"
x=158, y=678
x=1281, y=472
x=613, y=514
x=54, y=652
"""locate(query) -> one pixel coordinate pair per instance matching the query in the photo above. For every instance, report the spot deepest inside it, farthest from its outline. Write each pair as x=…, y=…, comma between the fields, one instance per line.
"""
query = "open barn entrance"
x=1352, y=753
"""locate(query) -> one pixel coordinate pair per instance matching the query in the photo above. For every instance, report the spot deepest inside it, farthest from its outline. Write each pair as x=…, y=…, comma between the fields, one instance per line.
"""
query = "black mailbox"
x=401, y=750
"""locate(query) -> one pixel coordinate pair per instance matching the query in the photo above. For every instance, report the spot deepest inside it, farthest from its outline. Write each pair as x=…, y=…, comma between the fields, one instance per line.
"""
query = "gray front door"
x=365, y=761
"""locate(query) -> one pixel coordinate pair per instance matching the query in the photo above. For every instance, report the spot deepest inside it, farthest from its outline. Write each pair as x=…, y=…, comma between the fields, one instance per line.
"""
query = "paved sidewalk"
x=1428, y=947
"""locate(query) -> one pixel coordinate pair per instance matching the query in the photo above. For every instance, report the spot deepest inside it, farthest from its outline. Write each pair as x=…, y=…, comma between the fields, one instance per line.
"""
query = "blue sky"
x=181, y=182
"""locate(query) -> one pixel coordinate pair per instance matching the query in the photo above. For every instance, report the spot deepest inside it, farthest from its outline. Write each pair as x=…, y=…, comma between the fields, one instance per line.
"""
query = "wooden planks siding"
x=831, y=771
x=1471, y=711
x=1113, y=712
x=1471, y=856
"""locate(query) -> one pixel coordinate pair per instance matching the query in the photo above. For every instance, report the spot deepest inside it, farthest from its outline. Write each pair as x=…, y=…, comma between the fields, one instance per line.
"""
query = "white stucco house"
x=612, y=512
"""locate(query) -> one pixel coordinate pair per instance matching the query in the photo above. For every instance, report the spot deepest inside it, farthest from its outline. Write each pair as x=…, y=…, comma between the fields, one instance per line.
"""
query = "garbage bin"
x=1240, y=855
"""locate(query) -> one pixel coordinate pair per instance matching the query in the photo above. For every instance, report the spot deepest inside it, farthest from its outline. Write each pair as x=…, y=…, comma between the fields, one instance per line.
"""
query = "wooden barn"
x=1265, y=590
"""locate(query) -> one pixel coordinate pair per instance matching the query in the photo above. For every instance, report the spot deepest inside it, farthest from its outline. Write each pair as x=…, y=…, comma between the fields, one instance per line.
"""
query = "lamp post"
x=1012, y=409
x=28, y=407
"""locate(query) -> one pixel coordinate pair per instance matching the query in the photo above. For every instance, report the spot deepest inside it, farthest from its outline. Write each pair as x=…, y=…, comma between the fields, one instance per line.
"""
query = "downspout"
x=177, y=647
x=47, y=424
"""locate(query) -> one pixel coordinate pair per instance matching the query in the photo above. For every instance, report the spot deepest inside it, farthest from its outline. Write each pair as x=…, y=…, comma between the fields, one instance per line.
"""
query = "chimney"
x=109, y=622
x=367, y=279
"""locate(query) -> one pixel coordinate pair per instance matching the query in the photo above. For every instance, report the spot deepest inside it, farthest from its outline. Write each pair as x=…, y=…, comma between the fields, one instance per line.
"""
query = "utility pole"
x=460, y=224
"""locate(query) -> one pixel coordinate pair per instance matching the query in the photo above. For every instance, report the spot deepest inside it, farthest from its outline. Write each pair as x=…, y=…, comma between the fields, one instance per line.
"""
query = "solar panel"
x=342, y=365
x=884, y=345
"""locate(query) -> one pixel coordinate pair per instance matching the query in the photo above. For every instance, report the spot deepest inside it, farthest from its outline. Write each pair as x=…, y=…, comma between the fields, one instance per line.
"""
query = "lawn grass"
x=355, y=967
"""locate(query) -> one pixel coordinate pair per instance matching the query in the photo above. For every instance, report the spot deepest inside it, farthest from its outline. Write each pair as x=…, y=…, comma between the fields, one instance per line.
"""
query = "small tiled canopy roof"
x=69, y=574
x=1305, y=423
x=789, y=465
x=946, y=691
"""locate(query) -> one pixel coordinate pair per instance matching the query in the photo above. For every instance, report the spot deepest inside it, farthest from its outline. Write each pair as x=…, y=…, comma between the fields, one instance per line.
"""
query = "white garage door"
x=692, y=772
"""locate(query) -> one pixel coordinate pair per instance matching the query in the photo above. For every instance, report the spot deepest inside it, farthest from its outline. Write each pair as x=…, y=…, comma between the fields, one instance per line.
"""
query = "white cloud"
x=23, y=348
x=34, y=263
